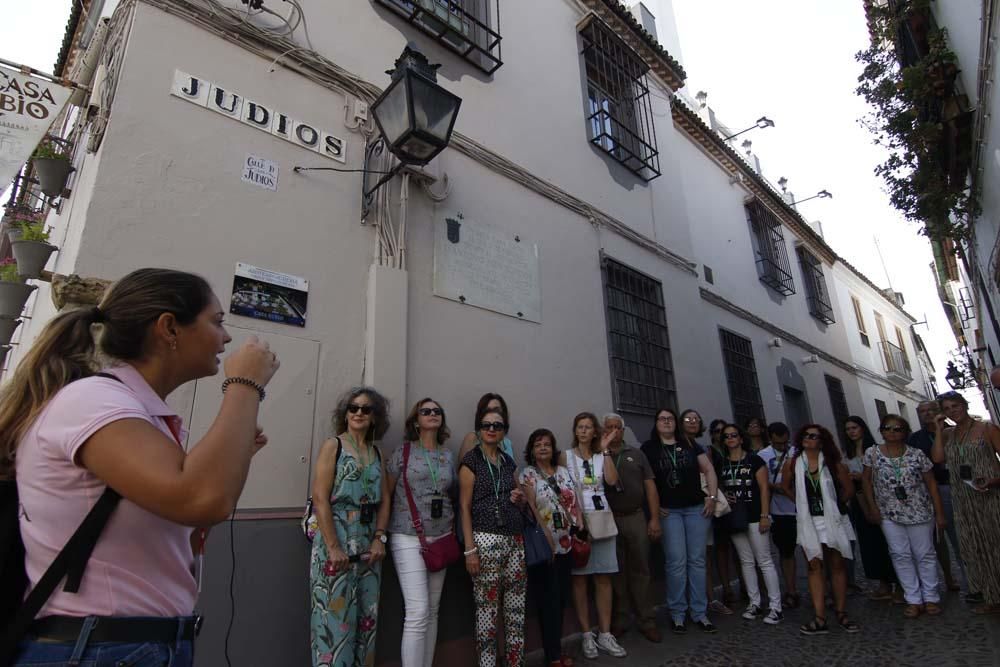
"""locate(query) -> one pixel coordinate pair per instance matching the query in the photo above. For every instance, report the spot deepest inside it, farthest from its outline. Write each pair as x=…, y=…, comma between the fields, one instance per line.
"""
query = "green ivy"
x=906, y=120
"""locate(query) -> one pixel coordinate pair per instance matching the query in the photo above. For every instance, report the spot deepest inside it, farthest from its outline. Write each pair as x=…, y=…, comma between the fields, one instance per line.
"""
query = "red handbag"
x=580, y=549
x=438, y=552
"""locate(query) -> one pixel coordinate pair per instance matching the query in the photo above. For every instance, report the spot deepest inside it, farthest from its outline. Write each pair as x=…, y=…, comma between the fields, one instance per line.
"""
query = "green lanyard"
x=672, y=453
x=817, y=480
x=897, y=468
x=496, y=478
x=366, y=468
x=618, y=460
x=731, y=470
x=433, y=469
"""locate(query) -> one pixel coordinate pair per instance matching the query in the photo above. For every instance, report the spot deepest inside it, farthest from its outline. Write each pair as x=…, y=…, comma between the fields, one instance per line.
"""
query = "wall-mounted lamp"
x=811, y=359
x=761, y=123
x=783, y=183
x=774, y=342
x=956, y=378
x=822, y=194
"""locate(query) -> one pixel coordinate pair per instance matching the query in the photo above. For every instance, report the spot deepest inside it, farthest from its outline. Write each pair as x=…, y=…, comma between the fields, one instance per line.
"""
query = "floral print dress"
x=556, y=502
x=345, y=603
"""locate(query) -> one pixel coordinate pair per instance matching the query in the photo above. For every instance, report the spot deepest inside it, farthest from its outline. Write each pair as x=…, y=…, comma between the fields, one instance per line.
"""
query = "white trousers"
x=753, y=549
x=422, y=598
x=911, y=548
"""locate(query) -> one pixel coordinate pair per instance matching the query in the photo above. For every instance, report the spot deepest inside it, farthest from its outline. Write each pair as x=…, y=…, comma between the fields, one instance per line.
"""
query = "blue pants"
x=685, y=532
x=141, y=654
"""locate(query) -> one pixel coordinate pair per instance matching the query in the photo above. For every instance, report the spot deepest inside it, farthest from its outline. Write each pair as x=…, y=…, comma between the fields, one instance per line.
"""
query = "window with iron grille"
x=741, y=374
x=838, y=402
x=881, y=409
x=817, y=295
x=619, y=111
x=638, y=344
x=769, y=248
x=462, y=26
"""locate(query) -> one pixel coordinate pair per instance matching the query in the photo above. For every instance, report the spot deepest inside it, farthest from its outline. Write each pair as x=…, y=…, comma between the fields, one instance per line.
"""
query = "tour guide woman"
x=74, y=434
x=351, y=501
x=490, y=502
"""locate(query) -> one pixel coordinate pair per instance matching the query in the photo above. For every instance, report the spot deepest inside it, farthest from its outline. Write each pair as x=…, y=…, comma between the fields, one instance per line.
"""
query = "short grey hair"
x=613, y=415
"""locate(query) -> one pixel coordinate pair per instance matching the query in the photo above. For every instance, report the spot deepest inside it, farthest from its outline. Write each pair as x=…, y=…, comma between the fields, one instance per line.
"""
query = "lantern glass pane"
x=434, y=109
x=393, y=113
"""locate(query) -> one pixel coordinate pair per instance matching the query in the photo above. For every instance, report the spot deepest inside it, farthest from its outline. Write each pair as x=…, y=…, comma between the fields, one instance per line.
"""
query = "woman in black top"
x=678, y=463
x=491, y=501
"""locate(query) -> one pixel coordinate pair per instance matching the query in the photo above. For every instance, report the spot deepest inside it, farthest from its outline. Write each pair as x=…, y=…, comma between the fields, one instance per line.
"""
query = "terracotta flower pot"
x=52, y=174
x=31, y=257
x=13, y=297
x=7, y=327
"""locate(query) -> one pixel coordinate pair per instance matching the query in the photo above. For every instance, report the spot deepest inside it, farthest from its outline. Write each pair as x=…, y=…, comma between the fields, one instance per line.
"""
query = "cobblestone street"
x=956, y=638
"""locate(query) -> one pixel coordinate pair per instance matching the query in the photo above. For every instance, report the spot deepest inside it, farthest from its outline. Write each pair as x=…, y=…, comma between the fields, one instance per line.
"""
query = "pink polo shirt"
x=142, y=564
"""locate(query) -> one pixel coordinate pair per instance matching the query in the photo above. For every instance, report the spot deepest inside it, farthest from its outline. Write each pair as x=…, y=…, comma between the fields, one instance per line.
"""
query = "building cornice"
x=638, y=38
x=859, y=371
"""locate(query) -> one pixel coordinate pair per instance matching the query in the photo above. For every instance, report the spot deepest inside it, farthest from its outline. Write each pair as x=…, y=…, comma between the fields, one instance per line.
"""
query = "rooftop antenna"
x=882, y=259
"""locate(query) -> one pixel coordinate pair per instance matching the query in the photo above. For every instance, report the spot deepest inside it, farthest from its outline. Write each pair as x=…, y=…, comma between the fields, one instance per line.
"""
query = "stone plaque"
x=484, y=266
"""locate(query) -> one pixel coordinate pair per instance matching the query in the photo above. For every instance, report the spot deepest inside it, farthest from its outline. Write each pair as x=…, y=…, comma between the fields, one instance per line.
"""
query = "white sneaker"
x=774, y=617
x=752, y=612
x=607, y=643
x=589, y=646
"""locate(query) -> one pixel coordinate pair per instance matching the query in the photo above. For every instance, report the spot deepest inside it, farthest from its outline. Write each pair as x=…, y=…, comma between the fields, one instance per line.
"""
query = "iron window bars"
x=769, y=246
x=620, y=113
x=741, y=375
x=638, y=344
x=817, y=294
x=462, y=26
x=838, y=402
x=895, y=360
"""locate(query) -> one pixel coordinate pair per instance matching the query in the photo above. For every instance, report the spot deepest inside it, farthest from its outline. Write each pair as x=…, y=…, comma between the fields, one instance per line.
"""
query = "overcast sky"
x=792, y=60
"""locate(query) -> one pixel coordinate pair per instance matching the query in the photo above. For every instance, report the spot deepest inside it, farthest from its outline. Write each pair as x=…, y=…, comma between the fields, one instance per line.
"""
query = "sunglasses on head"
x=427, y=412
x=894, y=429
x=948, y=394
x=363, y=409
x=493, y=426
x=811, y=436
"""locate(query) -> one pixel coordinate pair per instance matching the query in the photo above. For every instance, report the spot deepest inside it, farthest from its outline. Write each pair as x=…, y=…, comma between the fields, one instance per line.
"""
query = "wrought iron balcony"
x=462, y=26
x=769, y=247
x=897, y=367
x=817, y=295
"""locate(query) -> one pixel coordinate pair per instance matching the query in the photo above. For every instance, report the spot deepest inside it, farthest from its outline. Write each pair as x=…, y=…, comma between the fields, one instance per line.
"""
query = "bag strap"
x=418, y=524
x=69, y=563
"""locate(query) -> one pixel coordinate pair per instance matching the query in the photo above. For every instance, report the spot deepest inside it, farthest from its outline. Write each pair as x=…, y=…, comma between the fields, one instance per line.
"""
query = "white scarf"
x=839, y=532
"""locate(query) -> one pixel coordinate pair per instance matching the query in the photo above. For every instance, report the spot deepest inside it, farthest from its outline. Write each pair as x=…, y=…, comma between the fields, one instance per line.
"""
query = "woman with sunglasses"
x=429, y=478
x=821, y=486
x=678, y=463
x=490, y=502
x=970, y=449
x=551, y=495
x=350, y=495
x=744, y=481
x=874, y=550
x=900, y=487
x=591, y=468
x=488, y=401
x=718, y=545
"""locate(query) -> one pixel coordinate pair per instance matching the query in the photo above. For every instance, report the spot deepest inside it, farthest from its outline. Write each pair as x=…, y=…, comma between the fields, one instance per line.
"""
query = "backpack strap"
x=69, y=563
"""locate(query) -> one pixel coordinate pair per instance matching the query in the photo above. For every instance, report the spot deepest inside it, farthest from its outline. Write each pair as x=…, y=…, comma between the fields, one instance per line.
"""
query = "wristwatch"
x=381, y=536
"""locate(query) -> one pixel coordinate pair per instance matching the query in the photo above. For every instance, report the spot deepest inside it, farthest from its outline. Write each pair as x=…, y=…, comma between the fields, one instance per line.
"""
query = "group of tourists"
x=545, y=523
x=111, y=503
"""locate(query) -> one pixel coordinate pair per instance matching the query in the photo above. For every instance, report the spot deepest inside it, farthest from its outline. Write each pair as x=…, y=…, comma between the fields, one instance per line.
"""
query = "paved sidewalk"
x=956, y=637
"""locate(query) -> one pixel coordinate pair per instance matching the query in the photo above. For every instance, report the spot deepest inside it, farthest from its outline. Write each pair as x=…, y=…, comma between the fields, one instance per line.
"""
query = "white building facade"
x=587, y=242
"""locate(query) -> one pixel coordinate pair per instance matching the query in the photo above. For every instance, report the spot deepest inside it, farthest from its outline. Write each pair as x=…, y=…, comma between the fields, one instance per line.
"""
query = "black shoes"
x=706, y=626
x=678, y=628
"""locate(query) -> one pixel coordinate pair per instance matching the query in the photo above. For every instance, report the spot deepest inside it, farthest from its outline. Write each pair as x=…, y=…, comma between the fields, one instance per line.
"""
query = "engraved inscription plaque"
x=483, y=266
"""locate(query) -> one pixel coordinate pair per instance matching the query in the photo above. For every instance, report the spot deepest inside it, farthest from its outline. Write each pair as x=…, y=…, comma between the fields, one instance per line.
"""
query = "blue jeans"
x=178, y=653
x=685, y=532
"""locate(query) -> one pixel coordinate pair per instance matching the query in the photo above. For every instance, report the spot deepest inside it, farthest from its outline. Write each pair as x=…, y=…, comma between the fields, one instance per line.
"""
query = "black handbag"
x=537, y=549
x=738, y=519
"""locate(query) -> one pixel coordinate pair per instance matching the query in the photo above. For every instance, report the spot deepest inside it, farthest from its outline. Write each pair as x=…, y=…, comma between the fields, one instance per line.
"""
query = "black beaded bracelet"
x=240, y=380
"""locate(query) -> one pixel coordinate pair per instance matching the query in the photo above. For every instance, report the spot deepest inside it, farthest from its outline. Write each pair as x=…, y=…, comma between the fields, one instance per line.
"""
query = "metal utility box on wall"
x=279, y=475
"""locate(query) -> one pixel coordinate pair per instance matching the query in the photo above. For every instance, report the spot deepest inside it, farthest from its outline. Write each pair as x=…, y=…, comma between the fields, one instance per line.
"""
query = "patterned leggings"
x=501, y=572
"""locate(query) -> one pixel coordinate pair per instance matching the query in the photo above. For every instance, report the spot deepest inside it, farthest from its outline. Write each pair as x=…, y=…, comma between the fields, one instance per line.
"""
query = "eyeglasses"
x=730, y=436
x=665, y=419
x=811, y=436
x=692, y=420
x=493, y=426
x=364, y=409
x=427, y=412
x=894, y=429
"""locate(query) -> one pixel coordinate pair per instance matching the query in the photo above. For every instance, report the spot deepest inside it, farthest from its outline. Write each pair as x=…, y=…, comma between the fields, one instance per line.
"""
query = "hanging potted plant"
x=13, y=292
x=32, y=250
x=20, y=217
x=52, y=167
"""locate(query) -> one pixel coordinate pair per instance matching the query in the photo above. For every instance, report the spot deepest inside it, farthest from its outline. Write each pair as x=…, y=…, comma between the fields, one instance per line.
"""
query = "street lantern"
x=415, y=115
x=955, y=377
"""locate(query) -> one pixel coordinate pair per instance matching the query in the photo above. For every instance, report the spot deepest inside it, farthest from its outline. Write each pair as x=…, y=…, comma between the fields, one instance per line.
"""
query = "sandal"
x=985, y=609
x=912, y=611
x=791, y=600
x=932, y=609
x=847, y=624
x=817, y=626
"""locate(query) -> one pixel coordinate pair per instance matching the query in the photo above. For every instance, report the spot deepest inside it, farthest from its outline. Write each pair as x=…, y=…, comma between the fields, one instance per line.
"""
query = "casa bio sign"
x=28, y=105
x=264, y=117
